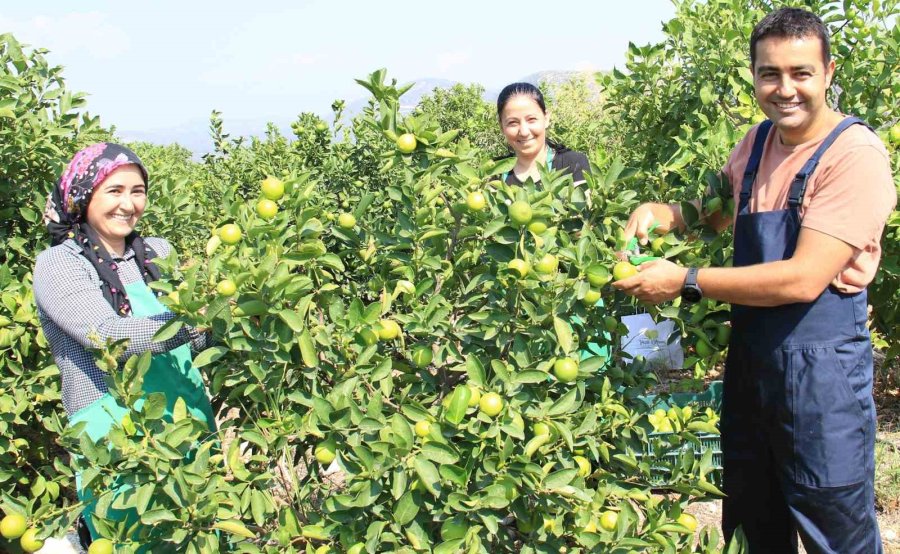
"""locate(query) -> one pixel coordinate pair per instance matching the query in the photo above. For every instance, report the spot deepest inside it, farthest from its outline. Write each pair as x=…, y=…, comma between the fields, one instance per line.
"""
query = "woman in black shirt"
x=524, y=121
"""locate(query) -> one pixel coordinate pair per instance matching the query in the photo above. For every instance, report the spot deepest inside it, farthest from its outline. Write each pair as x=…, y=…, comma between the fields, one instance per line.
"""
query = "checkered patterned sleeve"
x=67, y=290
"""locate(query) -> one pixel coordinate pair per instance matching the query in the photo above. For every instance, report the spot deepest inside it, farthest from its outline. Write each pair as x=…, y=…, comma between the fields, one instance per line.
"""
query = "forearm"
x=769, y=284
x=138, y=330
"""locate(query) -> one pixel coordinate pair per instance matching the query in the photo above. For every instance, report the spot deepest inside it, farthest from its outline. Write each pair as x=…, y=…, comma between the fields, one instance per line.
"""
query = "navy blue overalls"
x=798, y=418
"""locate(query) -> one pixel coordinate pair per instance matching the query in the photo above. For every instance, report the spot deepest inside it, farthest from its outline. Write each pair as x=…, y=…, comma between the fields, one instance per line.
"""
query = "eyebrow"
x=805, y=67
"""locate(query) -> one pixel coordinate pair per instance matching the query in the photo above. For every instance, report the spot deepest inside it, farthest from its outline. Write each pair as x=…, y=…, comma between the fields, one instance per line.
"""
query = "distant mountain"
x=194, y=134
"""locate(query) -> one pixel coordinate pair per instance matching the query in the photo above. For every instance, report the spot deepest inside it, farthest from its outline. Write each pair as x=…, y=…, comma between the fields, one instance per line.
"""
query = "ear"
x=829, y=73
x=547, y=120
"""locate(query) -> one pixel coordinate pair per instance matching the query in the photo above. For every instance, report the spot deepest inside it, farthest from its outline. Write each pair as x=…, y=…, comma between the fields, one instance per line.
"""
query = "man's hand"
x=665, y=217
x=657, y=281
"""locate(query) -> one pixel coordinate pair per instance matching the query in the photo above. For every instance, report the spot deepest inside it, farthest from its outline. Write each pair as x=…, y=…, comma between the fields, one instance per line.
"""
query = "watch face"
x=691, y=294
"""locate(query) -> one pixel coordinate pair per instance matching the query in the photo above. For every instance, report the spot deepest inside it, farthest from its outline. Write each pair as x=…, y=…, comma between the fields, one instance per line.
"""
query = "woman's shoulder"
x=570, y=157
x=160, y=246
x=66, y=253
x=62, y=263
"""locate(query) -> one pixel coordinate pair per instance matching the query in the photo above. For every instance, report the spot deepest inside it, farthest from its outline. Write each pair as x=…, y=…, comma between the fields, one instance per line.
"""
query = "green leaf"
x=560, y=478
x=168, y=330
x=154, y=406
x=209, y=356
x=428, y=474
x=307, y=349
x=449, y=547
x=406, y=508
x=151, y=517
x=458, y=404
x=440, y=453
x=475, y=370
x=293, y=320
x=566, y=403
x=530, y=376
x=563, y=334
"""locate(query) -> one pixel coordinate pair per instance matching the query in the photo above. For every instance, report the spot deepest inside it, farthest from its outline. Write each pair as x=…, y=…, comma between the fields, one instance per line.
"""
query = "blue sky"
x=158, y=65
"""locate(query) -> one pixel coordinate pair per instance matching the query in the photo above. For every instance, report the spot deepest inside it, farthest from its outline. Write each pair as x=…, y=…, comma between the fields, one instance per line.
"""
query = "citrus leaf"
x=209, y=356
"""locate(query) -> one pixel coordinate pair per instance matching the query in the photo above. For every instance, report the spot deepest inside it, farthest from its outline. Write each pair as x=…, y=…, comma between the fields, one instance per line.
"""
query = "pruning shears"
x=635, y=256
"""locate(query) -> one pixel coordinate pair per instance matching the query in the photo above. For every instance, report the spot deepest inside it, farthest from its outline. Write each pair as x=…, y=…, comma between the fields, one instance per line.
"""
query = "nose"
x=786, y=88
x=126, y=203
x=524, y=131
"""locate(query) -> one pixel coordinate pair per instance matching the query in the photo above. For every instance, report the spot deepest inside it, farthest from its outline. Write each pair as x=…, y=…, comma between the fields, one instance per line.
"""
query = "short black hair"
x=516, y=89
x=791, y=23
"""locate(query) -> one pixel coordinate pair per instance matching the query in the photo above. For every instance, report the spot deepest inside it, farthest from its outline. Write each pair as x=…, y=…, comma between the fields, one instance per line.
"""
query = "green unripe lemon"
x=226, y=287
x=624, y=270
x=608, y=520
x=565, y=369
x=266, y=208
x=406, y=143
x=29, y=542
x=475, y=201
x=490, y=404
x=591, y=297
x=326, y=452
x=272, y=188
x=422, y=355
x=13, y=526
x=597, y=275
x=388, y=329
x=423, y=428
x=230, y=233
x=520, y=266
x=346, y=221
x=101, y=546
x=520, y=212
x=547, y=264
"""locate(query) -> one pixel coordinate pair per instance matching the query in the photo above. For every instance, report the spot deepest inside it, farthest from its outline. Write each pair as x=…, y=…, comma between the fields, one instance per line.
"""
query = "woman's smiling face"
x=524, y=125
x=117, y=204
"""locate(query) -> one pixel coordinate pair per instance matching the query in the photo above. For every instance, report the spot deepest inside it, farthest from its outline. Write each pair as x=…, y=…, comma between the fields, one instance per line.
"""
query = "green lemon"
x=520, y=266
x=608, y=520
x=624, y=270
x=475, y=201
x=272, y=188
x=266, y=208
x=565, y=369
x=423, y=428
x=13, y=526
x=346, y=221
x=520, y=212
x=406, y=143
x=422, y=355
x=226, y=287
x=490, y=404
x=326, y=451
x=547, y=264
x=230, y=233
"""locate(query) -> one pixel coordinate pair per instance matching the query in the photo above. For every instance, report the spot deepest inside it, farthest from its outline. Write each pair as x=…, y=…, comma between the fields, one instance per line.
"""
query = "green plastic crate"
x=661, y=475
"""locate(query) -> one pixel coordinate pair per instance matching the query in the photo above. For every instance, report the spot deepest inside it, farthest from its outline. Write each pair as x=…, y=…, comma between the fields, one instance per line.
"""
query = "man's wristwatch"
x=690, y=291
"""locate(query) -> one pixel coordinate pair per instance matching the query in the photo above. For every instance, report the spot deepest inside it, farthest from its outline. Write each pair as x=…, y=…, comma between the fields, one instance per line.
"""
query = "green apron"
x=593, y=349
x=171, y=373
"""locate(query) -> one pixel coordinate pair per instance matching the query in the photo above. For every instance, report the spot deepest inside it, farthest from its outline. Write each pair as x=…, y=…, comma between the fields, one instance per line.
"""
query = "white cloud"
x=90, y=34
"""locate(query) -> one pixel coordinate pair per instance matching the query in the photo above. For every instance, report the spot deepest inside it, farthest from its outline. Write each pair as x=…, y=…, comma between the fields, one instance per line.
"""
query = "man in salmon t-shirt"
x=813, y=189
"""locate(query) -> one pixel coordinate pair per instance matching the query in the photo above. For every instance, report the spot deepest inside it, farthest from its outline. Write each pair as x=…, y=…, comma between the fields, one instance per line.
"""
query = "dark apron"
x=798, y=418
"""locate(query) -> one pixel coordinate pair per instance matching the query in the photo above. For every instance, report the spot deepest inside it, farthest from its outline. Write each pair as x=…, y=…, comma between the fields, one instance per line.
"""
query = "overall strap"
x=753, y=163
x=798, y=187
